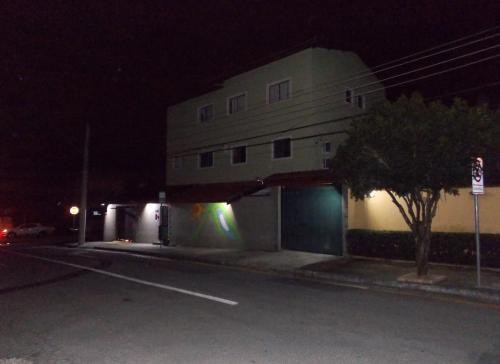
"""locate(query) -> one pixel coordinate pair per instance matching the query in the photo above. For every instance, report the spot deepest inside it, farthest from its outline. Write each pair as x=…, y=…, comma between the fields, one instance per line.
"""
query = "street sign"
x=477, y=189
x=477, y=177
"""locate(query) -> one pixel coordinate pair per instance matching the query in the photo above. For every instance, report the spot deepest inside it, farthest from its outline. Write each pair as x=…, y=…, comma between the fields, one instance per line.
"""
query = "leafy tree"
x=416, y=152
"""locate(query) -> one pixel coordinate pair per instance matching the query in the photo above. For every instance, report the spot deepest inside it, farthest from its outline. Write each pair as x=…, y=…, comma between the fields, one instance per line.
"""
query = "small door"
x=126, y=223
x=312, y=219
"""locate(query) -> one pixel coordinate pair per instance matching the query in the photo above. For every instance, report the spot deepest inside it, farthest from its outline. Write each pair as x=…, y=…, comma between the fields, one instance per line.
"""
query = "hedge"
x=451, y=248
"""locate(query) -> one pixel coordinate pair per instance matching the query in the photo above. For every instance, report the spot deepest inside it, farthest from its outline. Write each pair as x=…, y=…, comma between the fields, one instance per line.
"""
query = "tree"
x=416, y=152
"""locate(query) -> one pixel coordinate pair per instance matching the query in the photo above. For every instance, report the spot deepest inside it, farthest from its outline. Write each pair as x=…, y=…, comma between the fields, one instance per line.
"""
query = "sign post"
x=163, y=228
x=477, y=189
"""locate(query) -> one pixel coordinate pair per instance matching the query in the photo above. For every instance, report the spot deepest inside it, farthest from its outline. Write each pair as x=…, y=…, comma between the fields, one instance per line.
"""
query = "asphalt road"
x=78, y=306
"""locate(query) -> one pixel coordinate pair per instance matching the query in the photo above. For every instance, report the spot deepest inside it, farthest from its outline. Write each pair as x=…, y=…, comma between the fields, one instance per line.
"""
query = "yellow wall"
x=454, y=214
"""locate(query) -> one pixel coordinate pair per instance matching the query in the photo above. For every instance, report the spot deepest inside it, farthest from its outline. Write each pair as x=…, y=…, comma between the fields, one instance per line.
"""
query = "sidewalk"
x=460, y=281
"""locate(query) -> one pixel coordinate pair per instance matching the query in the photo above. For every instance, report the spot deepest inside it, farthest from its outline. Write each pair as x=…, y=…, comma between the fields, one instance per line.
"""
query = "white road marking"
x=132, y=279
x=349, y=285
x=143, y=256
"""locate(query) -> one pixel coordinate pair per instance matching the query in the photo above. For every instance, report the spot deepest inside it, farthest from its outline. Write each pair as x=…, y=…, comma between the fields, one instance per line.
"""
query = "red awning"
x=224, y=192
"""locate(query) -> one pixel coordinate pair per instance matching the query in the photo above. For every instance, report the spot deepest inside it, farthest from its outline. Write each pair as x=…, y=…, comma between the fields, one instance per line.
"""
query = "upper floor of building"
x=285, y=116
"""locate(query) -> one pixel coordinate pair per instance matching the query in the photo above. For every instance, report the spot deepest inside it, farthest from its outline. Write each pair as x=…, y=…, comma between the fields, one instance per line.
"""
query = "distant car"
x=31, y=229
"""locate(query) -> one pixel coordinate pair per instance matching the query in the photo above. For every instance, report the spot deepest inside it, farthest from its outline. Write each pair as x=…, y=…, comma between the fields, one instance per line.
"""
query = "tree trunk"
x=422, y=245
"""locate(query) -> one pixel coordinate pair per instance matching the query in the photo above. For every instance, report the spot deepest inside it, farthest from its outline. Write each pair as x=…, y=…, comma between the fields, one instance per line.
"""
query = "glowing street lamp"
x=74, y=211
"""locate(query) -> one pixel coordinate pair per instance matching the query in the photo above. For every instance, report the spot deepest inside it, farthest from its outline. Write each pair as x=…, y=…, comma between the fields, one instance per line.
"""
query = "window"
x=236, y=104
x=282, y=148
x=327, y=163
x=348, y=96
x=206, y=159
x=360, y=101
x=279, y=91
x=239, y=155
x=206, y=113
x=177, y=162
x=327, y=147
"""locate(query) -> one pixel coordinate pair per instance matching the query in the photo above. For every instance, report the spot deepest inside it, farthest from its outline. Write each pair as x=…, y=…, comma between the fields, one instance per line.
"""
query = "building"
x=248, y=162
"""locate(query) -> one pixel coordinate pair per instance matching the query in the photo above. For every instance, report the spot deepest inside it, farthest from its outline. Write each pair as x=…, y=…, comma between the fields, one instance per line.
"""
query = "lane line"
x=237, y=268
x=131, y=279
x=350, y=285
x=147, y=257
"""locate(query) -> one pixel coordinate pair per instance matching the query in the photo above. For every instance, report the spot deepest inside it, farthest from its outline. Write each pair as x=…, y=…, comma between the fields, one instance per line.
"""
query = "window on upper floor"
x=327, y=163
x=177, y=162
x=348, y=98
x=282, y=148
x=360, y=101
x=326, y=147
x=278, y=91
x=236, y=103
x=206, y=113
x=206, y=160
x=239, y=155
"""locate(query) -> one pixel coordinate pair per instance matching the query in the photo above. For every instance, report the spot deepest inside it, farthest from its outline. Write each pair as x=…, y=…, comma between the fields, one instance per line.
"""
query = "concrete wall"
x=147, y=224
x=110, y=223
x=250, y=223
x=454, y=214
x=310, y=102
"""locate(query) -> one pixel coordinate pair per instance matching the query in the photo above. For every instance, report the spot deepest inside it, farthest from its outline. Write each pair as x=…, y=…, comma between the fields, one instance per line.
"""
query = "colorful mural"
x=219, y=215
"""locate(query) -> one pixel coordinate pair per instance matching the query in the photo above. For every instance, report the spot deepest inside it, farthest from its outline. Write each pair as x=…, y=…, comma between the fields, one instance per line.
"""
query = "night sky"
x=119, y=64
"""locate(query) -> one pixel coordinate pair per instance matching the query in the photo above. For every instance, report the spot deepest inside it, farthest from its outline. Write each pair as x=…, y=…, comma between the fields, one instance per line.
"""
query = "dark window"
x=348, y=96
x=360, y=101
x=239, y=155
x=206, y=113
x=327, y=147
x=279, y=91
x=282, y=148
x=236, y=103
x=177, y=162
x=327, y=163
x=206, y=159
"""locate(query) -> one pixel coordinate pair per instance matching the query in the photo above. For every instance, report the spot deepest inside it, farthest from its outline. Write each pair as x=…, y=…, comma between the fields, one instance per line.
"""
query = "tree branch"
x=401, y=210
x=409, y=206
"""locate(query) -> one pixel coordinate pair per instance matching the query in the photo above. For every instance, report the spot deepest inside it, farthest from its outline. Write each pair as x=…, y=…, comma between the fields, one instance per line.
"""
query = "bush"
x=451, y=248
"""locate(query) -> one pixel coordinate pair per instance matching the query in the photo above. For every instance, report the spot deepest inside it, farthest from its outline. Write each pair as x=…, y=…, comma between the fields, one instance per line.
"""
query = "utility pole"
x=85, y=175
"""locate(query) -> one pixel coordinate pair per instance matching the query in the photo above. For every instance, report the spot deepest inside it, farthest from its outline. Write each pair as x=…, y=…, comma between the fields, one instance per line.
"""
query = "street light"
x=74, y=211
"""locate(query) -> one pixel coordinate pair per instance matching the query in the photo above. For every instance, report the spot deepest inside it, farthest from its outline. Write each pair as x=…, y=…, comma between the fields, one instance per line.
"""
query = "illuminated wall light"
x=372, y=194
x=150, y=207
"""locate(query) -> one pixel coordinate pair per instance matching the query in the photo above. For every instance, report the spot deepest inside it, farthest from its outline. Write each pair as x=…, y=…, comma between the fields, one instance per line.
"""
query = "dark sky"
x=118, y=64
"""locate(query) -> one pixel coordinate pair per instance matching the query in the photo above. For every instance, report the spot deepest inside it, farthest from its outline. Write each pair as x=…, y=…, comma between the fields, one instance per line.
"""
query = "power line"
x=366, y=93
x=183, y=153
x=376, y=70
x=269, y=113
x=267, y=134
x=467, y=90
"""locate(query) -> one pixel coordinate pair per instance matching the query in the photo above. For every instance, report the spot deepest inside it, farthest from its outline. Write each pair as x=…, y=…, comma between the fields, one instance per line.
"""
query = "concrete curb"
x=481, y=294
x=478, y=294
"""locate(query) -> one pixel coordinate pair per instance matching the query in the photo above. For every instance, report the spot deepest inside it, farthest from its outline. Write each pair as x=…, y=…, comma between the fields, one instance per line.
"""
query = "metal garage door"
x=312, y=219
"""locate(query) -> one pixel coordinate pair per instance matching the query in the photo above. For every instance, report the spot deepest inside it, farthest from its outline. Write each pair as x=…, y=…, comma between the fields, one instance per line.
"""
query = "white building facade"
x=249, y=162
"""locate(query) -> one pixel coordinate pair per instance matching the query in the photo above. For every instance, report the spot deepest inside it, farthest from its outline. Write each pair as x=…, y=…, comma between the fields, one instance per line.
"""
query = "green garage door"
x=312, y=219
